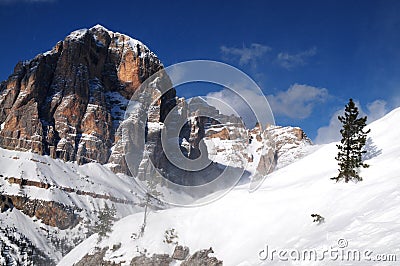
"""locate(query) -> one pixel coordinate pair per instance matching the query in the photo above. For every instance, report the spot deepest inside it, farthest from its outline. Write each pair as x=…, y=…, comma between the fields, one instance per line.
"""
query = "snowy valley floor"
x=360, y=216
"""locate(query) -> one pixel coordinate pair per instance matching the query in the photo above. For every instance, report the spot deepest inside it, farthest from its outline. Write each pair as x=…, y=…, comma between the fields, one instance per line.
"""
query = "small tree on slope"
x=106, y=219
x=351, y=148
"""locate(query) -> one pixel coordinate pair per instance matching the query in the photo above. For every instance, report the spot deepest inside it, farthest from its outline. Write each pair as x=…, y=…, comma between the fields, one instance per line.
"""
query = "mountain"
x=68, y=102
x=246, y=229
x=64, y=142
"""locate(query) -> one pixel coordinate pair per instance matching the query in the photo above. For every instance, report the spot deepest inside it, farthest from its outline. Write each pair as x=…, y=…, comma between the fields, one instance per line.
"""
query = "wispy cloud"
x=396, y=101
x=290, y=61
x=298, y=101
x=250, y=55
x=331, y=132
x=243, y=108
x=246, y=55
x=376, y=110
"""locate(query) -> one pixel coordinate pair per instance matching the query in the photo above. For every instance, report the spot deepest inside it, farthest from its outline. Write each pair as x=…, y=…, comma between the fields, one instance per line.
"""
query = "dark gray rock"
x=155, y=260
x=96, y=259
x=5, y=203
x=180, y=253
x=201, y=258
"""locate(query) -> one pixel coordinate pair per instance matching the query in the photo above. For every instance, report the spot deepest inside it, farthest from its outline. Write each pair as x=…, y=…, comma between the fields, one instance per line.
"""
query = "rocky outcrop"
x=30, y=183
x=49, y=212
x=180, y=252
x=288, y=136
x=155, y=260
x=68, y=102
x=5, y=203
x=202, y=258
x=25, y=182
x=199, y=258
x=96, y=259
x=291, y=144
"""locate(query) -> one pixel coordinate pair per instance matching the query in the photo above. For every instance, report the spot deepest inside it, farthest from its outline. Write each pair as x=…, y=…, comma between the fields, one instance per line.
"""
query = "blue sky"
x=309, y=57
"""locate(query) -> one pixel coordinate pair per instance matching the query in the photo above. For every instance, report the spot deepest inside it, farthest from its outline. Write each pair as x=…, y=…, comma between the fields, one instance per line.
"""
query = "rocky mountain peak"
x=68, y=102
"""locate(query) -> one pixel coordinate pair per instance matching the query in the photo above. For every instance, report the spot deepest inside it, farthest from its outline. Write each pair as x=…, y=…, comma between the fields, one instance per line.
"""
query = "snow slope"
x=89, y=178
x=360, y=216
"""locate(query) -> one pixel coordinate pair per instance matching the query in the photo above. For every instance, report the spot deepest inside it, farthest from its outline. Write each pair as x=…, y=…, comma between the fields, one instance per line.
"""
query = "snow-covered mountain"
x=59, y=111
x=274, y=225
x=68, y=102
x=63, y=146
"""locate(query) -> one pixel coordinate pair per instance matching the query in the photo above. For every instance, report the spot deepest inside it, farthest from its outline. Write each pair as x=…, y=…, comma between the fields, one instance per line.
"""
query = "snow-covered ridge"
x=129, y=41
x=133, y=43
x=91, y=177
x=85, y=188
x=77, y=34
x=240, y=226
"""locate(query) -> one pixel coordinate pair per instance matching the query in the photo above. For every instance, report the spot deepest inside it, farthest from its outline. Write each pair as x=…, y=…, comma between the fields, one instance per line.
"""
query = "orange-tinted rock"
x=62, y=103
x=222, y=134
x=49, y=212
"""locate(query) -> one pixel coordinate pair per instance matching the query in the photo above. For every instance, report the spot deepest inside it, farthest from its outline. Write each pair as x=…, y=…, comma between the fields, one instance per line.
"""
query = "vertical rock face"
x=69, y=102
x=291, y=143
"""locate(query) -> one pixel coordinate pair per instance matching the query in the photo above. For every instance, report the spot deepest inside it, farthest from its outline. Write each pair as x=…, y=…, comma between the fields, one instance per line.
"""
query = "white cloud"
x=395, y=101
x=298, y=101
x=246, y=55
x=290, y=61
x=226, y=101
x=330, y=133
x=376, y=110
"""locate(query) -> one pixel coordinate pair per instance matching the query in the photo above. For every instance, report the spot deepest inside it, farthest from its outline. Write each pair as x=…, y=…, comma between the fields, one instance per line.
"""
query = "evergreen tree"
x=106, y=219
x=351, y=148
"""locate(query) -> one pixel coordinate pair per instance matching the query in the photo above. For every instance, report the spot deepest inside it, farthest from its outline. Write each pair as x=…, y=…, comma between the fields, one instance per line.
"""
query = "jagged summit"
x=68, y=102
x=100, y=27
x=98, y=32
